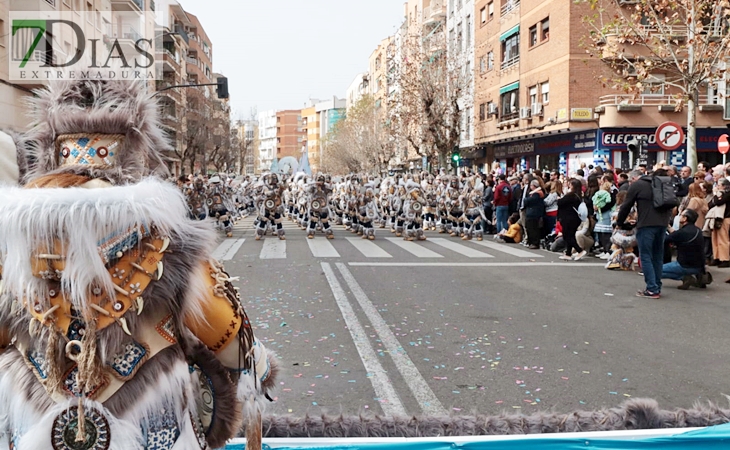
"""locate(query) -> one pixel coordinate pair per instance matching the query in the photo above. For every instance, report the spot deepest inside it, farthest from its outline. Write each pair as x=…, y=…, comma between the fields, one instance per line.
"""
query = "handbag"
x=714, y=218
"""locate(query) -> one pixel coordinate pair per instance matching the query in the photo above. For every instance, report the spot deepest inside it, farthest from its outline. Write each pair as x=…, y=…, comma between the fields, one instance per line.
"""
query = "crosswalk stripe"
x=231, y=253
x=414, y=249
x=510, y=249
x=274, y=248
x=368, y=249
x=321, y=248
x=460, y=249
x=224, y=248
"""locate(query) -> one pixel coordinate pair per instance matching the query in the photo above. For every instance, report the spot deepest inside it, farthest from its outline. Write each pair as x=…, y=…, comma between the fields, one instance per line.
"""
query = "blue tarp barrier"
x=710, y=438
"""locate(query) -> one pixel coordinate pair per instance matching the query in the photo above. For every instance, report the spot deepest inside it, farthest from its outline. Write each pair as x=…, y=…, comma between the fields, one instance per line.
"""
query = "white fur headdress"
x=96, y=107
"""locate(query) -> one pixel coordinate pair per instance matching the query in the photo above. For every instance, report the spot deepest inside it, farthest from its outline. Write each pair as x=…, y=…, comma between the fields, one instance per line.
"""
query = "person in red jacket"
x=502, y=197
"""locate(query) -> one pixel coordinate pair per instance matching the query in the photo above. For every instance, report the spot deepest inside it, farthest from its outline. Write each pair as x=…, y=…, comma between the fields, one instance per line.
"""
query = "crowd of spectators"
x=612, y=215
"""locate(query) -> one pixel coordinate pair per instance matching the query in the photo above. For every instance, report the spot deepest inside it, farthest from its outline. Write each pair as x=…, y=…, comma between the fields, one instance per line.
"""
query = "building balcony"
x=662, y=102
x=511, y=6
x=128, y=5
x=170, y=61
x=510, y=63
x=434, y=13
x=193, y=61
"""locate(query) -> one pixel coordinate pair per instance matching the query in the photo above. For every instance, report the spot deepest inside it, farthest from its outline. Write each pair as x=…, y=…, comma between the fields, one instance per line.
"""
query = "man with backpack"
x=654, y=198
x=502, y=199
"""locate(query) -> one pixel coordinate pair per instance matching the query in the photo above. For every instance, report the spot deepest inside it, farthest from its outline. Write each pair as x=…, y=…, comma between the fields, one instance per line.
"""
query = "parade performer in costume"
x=413, y=210
x=196, y=198
x=368, y=212
x=217, y=204
x=271, y=209
x=318, y=207
x=119, y=331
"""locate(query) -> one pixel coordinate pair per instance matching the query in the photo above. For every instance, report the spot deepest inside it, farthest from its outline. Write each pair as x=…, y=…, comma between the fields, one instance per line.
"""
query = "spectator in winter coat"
x=690, y=264
x=534, y=212
x=651, y=227
x=502, y=201
x=570, y=220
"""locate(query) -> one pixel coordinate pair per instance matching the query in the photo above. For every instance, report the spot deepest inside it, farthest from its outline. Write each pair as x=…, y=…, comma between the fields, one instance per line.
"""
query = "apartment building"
x=289, y=133
x=538, y=101
x=357, y=89
x=199, y=58
x=460, y=29
x=248, y=138
x=171, y=54
x=310, y=125
x=267, y=139
x=378, y=63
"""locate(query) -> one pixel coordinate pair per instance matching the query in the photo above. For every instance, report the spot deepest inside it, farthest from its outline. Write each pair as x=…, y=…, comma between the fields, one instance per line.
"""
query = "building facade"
x=357, y=89
x=199, y=59
x=248, y=138
x=267, y=139
x=289, y=133
x=378, y=63
x=310, y=124
x=328, y=114
x=460, y=41
x=539, y=103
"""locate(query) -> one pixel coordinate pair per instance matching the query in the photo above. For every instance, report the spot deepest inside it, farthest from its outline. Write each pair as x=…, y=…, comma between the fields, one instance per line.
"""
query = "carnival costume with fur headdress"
x=318, y=194
x=112, y=308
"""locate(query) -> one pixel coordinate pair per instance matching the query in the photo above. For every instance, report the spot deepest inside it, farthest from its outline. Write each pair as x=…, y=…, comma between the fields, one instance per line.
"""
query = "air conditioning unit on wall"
x=537, y=109
x=492, y=109
x=525, y=112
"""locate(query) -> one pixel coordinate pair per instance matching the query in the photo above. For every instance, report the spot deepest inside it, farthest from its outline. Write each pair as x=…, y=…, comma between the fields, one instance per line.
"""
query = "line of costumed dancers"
x=406, y=204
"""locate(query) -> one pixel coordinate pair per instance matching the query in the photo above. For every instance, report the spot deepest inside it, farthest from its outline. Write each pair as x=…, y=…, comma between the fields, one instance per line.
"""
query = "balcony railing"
x=193, y=61
x=510, y=62
x=652, y=100
x=510, y=6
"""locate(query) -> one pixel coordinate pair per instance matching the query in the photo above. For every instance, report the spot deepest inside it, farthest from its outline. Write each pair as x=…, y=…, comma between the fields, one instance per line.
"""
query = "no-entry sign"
x=722, y=144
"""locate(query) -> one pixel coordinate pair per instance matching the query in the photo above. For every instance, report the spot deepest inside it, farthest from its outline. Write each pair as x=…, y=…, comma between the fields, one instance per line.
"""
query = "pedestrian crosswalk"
x=355, y=248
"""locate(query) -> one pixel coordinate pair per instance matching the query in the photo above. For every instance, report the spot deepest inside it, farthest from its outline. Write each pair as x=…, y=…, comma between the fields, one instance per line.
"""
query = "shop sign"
x=581, y=114
x=514, y=149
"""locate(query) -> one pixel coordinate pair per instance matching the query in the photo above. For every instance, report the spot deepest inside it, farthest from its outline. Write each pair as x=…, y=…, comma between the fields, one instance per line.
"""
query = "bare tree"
x=686, y=41
x=360, y=142
x=425, y=110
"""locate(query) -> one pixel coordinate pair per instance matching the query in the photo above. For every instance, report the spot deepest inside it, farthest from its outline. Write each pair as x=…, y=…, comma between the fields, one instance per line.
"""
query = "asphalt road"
x=442, y=329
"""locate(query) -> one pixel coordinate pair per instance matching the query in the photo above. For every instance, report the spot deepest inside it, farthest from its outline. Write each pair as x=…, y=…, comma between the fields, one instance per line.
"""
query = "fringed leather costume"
x=111, y=307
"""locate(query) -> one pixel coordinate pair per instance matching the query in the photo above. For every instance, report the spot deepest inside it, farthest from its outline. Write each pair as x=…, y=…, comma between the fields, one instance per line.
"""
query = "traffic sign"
x=722, y=144
x=669, y=136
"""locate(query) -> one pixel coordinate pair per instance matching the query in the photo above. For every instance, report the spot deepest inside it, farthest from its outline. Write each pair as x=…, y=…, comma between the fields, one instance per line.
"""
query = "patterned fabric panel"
x=38, y=361
x=125, y=364
x=163, y=432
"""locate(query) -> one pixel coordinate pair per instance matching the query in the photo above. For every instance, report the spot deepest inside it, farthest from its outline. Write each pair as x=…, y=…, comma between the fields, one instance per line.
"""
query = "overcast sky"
x=279, y=53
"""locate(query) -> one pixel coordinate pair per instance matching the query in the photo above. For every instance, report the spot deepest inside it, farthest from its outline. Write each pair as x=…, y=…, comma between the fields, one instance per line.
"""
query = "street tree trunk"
x=692, y=132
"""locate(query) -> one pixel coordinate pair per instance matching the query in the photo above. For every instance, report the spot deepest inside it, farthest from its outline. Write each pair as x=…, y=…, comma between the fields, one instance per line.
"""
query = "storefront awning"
x=509, y=33
x=509, y=87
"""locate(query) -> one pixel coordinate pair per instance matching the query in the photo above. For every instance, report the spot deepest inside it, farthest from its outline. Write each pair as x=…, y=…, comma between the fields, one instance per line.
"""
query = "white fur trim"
x=80, y=218
x=9, y=170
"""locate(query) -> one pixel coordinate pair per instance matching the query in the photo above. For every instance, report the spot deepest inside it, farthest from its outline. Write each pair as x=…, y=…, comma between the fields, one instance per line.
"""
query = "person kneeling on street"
x=512, y=235
x=690, y=264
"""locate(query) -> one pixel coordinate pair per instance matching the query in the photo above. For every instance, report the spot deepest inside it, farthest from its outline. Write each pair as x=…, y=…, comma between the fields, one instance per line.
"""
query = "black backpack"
x=663, y=194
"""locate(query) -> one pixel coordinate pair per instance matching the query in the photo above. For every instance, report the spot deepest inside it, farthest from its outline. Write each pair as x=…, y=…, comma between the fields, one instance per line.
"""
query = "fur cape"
x=85, y=106
x=634, y=414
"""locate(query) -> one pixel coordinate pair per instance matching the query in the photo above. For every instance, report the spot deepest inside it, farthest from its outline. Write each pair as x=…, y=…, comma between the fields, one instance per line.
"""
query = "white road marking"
x=510, y=249
x=485, y=264
x=414, y=249
x=224, y=247
x=231, y=253
x=428, y=401
x=321, y=248
x=461, y=249
x=274, y=248
x=368, y=249
x=382, y=384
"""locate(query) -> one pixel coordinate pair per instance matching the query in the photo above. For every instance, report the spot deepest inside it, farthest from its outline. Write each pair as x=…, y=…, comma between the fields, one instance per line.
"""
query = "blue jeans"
x=674, y=271
x=502, y=216
x=651, y=254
